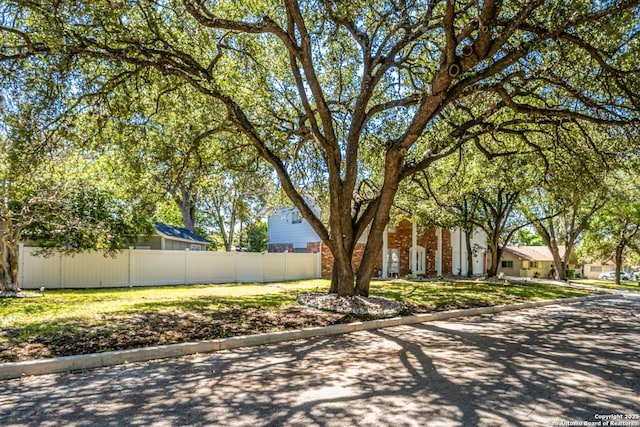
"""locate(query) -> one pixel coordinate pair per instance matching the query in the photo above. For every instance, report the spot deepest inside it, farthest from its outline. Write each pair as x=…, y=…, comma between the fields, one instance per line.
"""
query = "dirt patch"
x=128, y=331
x=166, y=327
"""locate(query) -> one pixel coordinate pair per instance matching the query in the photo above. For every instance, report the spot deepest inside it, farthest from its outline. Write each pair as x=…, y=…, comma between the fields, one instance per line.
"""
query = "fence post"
x=318, y=265
x=60, y=271
x=20, y=265
x=235, y=266
x=186, y=266
x=130, y=267
x=286, y=266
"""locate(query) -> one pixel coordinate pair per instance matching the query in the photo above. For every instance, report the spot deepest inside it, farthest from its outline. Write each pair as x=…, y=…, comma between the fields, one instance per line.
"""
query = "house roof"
x=533, y=253
x=179, y=233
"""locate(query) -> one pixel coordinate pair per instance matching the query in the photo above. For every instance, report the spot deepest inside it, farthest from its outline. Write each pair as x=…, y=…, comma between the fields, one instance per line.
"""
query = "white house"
x=287, y=231
x=459, y=252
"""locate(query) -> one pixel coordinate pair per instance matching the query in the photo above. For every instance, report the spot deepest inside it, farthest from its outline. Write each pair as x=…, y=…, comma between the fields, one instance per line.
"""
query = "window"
x=533, y=264
x=296, y=218
x=507, y=264
x=596, y=268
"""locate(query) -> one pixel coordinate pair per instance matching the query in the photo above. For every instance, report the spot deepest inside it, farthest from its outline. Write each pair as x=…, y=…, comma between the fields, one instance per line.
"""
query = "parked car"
x=611, y=275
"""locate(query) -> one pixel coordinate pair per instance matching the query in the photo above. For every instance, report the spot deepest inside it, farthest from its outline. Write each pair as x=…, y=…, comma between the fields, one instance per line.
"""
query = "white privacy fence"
x=142, y=267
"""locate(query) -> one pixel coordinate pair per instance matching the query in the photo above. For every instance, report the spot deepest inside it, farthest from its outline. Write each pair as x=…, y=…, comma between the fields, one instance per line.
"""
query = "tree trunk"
x=342, y=279
x=393, y=167
x=467, y=240
x=232, y=228
x=560, y=272
x=13, y=267
x=495, y=250
x=496, y=254
x=342, y=275
x=231, y=235
x=367, y=265
x=227, y=238
x=548, y=234
x=619, y=252
x=187, y=209
x=565, y=259
x=8, y=259
x=560, y=267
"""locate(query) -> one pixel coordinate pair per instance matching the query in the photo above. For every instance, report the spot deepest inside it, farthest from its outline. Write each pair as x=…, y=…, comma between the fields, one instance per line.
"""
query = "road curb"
x=98, y=360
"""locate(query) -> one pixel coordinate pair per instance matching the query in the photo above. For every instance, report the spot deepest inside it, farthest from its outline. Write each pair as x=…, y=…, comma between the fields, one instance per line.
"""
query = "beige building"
x=594, y=269
x=531, y=261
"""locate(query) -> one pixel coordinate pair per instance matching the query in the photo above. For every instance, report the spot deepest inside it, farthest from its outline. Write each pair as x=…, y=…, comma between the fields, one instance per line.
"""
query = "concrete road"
x=559, y=365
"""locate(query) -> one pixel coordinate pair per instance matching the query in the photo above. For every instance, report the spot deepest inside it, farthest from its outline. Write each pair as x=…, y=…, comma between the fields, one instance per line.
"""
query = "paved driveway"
x=558, y=365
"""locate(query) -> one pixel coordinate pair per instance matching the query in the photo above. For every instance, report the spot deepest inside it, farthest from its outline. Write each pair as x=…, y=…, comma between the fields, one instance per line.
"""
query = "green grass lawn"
x=629, y=285
x=65, y=322
x=444, y=295
x=61, y=305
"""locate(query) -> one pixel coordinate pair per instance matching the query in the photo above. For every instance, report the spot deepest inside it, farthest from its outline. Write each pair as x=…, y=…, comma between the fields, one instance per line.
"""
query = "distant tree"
x=186, y=152
x=55, y=195
x=497, y=214
x=570, y=191
x=444, y=196
x=235, y=196
x=166, y=211
x=615, y=229
x=257, y=236
x=562, y=222
x=517, y=193
x=527, y=237
x=55, y=209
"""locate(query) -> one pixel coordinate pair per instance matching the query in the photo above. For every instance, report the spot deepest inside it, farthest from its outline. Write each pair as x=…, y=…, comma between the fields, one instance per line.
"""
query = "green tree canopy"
x=615, y=229
x=57, y=196
x=347, y=100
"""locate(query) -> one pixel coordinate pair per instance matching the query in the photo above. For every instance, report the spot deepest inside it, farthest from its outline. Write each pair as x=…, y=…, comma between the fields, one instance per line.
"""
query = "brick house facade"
x=399, y=241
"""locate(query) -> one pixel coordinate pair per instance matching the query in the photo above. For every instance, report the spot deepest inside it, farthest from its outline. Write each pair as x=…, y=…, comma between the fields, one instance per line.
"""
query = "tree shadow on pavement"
x=532, y=367
x=568, y=365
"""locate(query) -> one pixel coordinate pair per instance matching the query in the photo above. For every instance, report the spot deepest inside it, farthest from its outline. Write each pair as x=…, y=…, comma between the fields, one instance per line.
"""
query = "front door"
x=419, y=259
x=393, y=262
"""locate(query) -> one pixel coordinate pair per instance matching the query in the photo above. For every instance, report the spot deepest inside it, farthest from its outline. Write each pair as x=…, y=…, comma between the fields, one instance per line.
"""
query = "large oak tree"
x=345, y=100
